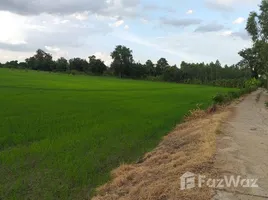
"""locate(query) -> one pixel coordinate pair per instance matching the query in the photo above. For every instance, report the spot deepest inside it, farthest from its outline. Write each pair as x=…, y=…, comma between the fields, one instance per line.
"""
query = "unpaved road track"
x=243, y=148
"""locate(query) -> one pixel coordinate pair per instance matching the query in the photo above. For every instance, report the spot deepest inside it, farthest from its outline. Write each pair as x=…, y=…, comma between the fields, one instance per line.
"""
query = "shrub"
x=219, y=98
x=252, y=83
x=225, y=98
x=234, y=95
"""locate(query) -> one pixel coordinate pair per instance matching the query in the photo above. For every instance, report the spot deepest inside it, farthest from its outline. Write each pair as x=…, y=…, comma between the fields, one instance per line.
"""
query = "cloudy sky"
x=192, y=30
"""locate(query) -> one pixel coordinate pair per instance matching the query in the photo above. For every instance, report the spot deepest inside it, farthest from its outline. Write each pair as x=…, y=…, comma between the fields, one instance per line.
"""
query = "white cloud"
x=104, y=57
x=117, y=23
x=81, y=16
x=226, y=33
x=60, y=35
x=13, y=28
x=126, y=27
x=52, y=49
x=239, y=20
x=7, y=55
x=60, y=21
x=189, y=12
x=144, y=21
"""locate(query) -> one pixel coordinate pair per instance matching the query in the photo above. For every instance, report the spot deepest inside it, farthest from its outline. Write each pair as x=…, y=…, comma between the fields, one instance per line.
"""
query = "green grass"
x=60, y=135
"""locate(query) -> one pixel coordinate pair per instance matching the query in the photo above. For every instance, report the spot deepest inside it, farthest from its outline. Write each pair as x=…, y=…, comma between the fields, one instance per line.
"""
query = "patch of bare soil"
x=191, y=147
x=242, y=148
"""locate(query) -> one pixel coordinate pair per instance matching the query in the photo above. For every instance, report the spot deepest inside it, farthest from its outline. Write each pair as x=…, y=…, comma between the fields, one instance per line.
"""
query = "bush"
x=234, y=95
x=230, y=83
x=252, y=83
x=219, y=98
x=225, y=98
x=248, y=87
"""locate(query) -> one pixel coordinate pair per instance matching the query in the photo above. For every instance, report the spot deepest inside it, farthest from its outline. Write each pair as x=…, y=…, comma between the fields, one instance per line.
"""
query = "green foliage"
x=256, y=57
x=61, y=135
x=170, y=74
x=234, y=83
x=61, y=65
x=219, y=98
x=122, y=61
x=150, y=69
x=41, y=61
x=249, y=60
x=96, y=65
x=252, y=26
x=138, y=71
x=226, y=98
x=223, y=98
x=79, y=64
x=161, y=66
x=252, y=83
x=234, y=94
x=154, y=78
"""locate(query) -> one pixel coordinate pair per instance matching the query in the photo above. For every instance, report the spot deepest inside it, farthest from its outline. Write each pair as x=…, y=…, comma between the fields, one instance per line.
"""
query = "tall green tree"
x=250, y=61
x=61, y=65
x=79, y=64
x=122, y=61
x=150, y=69
x=171, y=74
x=161, y=66
x=256, y=57
x=41, y=61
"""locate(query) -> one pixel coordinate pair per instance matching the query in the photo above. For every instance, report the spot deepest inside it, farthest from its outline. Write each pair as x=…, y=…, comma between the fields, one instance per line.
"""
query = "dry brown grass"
x=189, y=147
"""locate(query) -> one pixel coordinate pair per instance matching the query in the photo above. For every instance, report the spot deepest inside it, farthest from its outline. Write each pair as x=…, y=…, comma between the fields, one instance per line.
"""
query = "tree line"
x=124, y=66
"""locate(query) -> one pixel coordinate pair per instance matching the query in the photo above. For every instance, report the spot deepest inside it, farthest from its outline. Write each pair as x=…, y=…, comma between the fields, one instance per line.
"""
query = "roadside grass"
x=61, y=135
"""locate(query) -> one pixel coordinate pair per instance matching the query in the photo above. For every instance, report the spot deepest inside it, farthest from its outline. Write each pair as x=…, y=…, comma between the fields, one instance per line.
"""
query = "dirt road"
x=243, y=148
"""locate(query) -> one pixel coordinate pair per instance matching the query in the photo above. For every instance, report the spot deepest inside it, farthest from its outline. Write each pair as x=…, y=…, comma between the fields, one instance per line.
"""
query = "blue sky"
x=192, y=31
